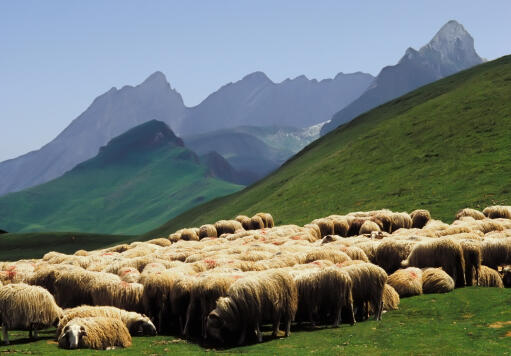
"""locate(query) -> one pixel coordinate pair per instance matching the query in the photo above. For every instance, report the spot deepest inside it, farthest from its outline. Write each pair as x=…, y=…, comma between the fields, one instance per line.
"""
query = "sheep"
x=496, y=252
x=506, y=276
x=161, y=241
x=256, y=223
x=326, y=254
x=368, y=227
x=244, y=221
x=136, y=323
x=442, y=252
x=355, y=225
x=123, y=295
x=81, y=253
x=189, y=235
x=98, y=333
x=267, y=219
x=390, y=253
x=472, y=256
x=489, y=277
x=27, y=307
x=73, y=288
x=356, y=253
x=314, y=230
x=390, y=298
x=368, y=285
x=204, y=293
x=227, y=227
x=207, y=230
x=498, y=211
x=129, y=274
x=420, y=218
x=407, y=282
x=326, y=226
x=476, y=214
x=324, y=292
x=341, y=225
x=435, y=280
x=252, y=300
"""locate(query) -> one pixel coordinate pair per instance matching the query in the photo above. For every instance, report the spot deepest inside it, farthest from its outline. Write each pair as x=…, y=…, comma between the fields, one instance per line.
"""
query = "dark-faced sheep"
x=98, y=333
x=435, y=280
x=251, y=301
x=442, y=252
x=27, y=307
x=407, y=282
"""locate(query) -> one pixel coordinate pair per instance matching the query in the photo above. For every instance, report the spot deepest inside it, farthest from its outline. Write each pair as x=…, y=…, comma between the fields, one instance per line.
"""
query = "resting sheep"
x=407, y=282
x=100, y=333
x=435, y=280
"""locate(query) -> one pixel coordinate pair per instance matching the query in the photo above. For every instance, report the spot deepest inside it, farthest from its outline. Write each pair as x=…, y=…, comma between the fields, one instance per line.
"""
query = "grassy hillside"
x=468, y=321
x=442, y=147
x=139, y=180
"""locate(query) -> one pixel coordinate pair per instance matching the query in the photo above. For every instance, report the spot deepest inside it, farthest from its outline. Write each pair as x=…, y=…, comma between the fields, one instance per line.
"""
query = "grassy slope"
x=464, y=322
x=127, y=197
x=442, y=147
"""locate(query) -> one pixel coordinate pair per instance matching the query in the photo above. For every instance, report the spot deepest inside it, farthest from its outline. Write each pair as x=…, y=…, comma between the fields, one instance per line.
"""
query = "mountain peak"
x=157, y=78
x=257, y=77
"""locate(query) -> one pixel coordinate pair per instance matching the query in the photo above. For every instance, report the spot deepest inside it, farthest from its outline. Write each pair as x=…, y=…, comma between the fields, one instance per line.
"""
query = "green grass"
x=458, y=323
x=34, y=245
x=127, y=189
x=442, y=147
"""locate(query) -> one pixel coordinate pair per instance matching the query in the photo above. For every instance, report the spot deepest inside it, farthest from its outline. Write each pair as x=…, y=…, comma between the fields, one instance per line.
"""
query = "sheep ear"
x=66, y=329
x=82, y=331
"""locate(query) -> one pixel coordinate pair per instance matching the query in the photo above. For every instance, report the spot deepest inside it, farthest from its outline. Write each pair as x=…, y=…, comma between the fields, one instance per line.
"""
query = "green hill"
x=137, y=181
x=442, y=147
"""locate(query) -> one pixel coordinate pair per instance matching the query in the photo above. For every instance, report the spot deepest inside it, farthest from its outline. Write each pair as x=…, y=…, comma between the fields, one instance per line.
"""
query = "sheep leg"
x=276, y=324
x=5, y=334
x=288, y=327
x=187, y=323
x=30, y=333
x=259, y=333
x=35, y=334
x=338, y=317
x=379, y=310
x=241, y=339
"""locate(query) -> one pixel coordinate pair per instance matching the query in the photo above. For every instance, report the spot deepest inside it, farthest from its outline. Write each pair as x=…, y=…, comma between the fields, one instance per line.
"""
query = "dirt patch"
x=508, y=334
x=467, y=316
x=499, y=324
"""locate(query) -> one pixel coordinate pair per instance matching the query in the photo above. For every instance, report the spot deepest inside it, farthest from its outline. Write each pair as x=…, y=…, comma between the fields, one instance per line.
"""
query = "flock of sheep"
x=223, y=281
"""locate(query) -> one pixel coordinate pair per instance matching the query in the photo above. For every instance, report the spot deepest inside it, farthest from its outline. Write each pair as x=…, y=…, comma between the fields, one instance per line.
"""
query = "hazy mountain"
x=140, y=178
x=108, y=116
x=451, y=50
x=252, y=149
x=257, y=101
x=254, y=100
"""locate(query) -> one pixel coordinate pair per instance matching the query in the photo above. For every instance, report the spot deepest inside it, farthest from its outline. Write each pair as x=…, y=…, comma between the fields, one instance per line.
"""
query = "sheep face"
x=71, y=336
x=214, y=326
x=144, y=327
x=506, y=276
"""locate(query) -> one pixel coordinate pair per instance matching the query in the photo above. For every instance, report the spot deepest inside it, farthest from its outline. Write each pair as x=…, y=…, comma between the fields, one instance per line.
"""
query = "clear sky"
x=57, y=56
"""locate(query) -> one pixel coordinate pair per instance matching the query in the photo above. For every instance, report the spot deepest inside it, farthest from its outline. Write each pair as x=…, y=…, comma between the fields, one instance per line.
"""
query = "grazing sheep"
x=489, y=277
x=100, y=333
x=129, y=274
x=324, y=292
x=244, y=221
x=472, y=256
x=189, y=235
x=326, y=226
x=498, y=211
x=368, y=285
x=496, y=252
x=251, y=301
x=356, y=253
x=476, y=214
x=442, y=252
x=435, y=280
x=367, y=227
x=341, y=225
x=314, y=230
x=407, y=282
x=420, y=218
x=227, y=227
x=207, y=230
x=355, y=225
x=256, y=223
x=136, y=323
x=390, y=253
x=127, y=296
x=161, y=241
x=267, y=219
x=27, y=307
x=326, y=254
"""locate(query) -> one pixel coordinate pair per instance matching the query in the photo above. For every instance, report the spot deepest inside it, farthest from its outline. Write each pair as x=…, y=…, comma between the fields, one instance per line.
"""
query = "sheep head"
x=71, y=336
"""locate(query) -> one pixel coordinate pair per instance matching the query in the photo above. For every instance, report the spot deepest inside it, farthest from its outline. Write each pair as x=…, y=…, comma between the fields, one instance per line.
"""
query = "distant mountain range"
x=451, y=50
x=140, y=178
x=255, y=100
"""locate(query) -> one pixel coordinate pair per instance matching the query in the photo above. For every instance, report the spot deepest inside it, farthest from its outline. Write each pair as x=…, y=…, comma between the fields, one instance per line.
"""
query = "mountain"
x=257, y=101
x=108, y=116
x=450, y=51
x=254, y=100
x=221, y=169
x=442, y=147
x=254, y=150
x=140, y=178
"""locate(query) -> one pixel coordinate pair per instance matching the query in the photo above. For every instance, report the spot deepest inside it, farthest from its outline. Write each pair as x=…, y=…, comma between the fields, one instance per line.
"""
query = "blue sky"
x=57, y=56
